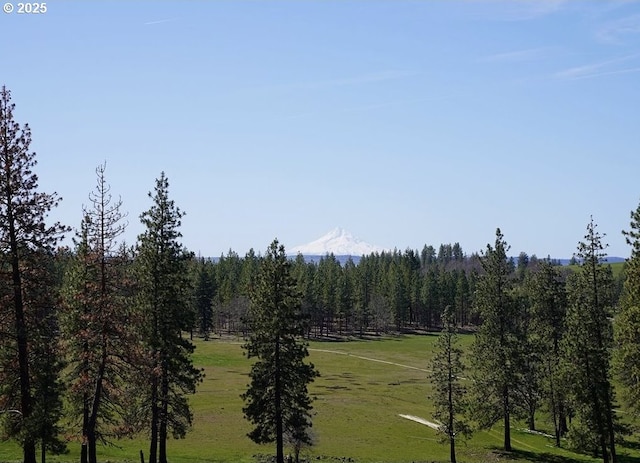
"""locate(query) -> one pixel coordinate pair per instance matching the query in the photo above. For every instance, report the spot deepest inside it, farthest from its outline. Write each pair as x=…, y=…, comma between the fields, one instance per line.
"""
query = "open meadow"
x=364, y=388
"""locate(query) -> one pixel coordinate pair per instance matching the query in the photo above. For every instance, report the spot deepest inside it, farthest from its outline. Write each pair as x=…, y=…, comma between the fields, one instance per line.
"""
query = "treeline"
x=388, y=291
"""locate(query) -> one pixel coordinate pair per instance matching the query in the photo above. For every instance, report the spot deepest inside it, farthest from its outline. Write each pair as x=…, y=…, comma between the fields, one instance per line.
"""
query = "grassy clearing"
x=358, y=402
x=616, y=268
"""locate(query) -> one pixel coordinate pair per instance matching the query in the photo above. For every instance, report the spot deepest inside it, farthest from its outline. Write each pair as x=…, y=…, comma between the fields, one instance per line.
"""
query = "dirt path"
x=377, y=360
x=370, y=359
x=417, y=419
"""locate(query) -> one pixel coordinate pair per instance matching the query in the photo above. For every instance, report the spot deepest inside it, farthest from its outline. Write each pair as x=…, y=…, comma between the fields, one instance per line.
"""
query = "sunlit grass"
x=359, y=397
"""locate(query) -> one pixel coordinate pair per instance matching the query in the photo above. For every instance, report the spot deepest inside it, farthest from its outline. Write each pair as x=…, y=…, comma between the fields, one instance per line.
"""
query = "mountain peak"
x=338, y=232
x=339, y=242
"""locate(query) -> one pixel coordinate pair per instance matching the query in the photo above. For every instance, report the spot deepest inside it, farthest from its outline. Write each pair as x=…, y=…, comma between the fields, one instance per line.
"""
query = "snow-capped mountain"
x=339, y=242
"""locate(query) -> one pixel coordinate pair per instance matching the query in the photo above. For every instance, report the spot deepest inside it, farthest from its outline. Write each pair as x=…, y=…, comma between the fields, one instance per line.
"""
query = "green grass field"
x=616, y=268
x=364, y=387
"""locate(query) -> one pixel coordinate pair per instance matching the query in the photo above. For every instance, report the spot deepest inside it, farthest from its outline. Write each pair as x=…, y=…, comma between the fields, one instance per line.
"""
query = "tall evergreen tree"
x=24, y=239
x=496, y=349
x=462, y=299
x=530, y=352
x=587, y=346
x=548, y=294
x=163, y=299
x=449, y=393
x=429, y=296
x=362, y=294
x=204, y=293
x=277, y=400
x=47, y=365
x=101, y=340
x=627, y=322
x=631, y=293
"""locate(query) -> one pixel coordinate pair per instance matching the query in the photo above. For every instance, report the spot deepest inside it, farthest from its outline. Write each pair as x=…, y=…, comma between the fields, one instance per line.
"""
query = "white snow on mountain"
x=339, y=242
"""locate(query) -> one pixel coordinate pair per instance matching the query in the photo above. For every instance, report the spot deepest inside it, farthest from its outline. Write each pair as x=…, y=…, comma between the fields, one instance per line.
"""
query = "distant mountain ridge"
x=344, y=246
x=338, y=242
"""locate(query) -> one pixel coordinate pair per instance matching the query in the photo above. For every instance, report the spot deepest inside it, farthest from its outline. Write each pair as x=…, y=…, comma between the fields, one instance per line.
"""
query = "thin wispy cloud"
x=364, y=108
x=537, y=8
x=327, y=84
x=159, y=21
x=601, y=68
x=610, y=73
x=619, y=30
x=376, y=106
x=380, y=76
x=528, y=54
x=522, y=10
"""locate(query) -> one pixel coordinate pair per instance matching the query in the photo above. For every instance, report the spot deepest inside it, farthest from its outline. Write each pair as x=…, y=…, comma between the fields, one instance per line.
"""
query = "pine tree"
x=429, y=295
x=496, y=349
x=204, y=292
x=631, y=295
x=626, y=359
x=99, y=329
x=47, y=365
x=587, y=344
x=163, y=300
x=362, y=294
x=449, y=394
x=277, y=400
x=530, y=352
x=548, y=294
x=26, y=238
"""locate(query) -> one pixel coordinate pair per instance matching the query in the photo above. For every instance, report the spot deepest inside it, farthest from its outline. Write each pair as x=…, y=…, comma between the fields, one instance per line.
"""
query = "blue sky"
x=405, y=122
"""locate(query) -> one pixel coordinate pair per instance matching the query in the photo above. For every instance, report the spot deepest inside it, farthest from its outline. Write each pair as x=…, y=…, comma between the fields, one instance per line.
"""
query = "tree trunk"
x=507, y=419
x=532, y=418
x=84, y=454
x=450, y=379
x=278, y=407
x=596, y=406
x=92, y=446
x=555, y=414
x=153, y=447
x=95, y=406
x=164, y=414
x=452, y=448
x=28, y=445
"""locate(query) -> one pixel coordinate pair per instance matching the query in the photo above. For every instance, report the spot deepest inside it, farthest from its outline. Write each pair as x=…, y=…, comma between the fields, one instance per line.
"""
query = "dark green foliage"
x=587, y=346
x=626, y=356
x=397, y=294
x=25, y=290
x=230, y=304
x=449, y=393
x=549, y=305
x=627, y=322
x=47, y=366
x=204, y=293
x=631, y=293
x=163, y=301
x=462, y=299
x=530, y=353
x=497, y=350
x=427, y=256
x=277, y=400
x=338, y=298
x=523, y=263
